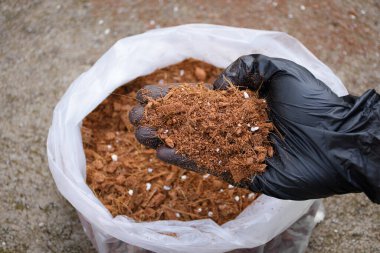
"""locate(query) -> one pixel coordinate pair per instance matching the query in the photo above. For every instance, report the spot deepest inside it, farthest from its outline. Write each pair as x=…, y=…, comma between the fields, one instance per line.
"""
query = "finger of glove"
x=257, y=71
x=151, y=91
x=240, y=73
x=136, y=115
x=276, y=183
x=253, y=72
x=305, y=100
x=148, y=137
x=142, y=96
x=275, y=172
x=288, y=178
x=169, y=155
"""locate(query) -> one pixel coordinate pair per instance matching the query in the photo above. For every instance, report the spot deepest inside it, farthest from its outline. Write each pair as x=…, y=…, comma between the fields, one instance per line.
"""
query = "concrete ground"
x=45, y=45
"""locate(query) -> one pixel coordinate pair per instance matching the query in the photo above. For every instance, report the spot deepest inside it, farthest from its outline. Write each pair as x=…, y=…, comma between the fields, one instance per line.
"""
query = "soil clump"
x=225, y=132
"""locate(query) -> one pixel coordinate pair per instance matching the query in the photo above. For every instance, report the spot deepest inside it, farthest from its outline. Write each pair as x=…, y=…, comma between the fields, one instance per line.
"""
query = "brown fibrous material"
x=128, y=178
x=223, y=131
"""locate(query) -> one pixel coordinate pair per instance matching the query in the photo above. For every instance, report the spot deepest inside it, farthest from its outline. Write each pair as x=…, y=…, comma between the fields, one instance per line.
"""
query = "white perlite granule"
x=254, y=129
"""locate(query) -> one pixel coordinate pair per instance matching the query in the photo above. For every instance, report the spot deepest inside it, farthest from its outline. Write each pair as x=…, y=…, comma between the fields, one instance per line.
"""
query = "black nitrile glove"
x=328, y=144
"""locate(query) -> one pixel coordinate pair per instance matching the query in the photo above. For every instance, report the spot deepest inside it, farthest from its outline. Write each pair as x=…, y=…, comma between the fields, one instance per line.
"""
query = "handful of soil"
x=225, y=132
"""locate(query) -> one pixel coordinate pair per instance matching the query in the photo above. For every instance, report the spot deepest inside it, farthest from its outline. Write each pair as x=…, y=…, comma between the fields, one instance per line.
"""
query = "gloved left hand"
x=331, y=144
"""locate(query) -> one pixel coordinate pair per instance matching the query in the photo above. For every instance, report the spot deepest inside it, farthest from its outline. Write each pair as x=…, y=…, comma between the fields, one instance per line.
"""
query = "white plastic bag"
x=140, y=55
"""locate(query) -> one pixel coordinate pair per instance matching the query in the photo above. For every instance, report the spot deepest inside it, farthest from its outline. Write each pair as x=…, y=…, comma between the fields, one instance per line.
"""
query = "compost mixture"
x=224, y=131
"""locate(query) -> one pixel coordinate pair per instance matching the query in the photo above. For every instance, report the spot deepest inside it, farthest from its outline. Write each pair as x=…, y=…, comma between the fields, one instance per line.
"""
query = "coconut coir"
x=225, y=132
x=128, y=178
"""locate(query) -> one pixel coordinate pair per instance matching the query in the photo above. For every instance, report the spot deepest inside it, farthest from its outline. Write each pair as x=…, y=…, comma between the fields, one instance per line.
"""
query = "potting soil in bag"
x=266, y=220
x=130, y=180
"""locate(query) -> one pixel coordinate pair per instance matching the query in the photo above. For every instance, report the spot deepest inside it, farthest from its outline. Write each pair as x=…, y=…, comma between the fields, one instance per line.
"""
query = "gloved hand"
x=328, y=145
